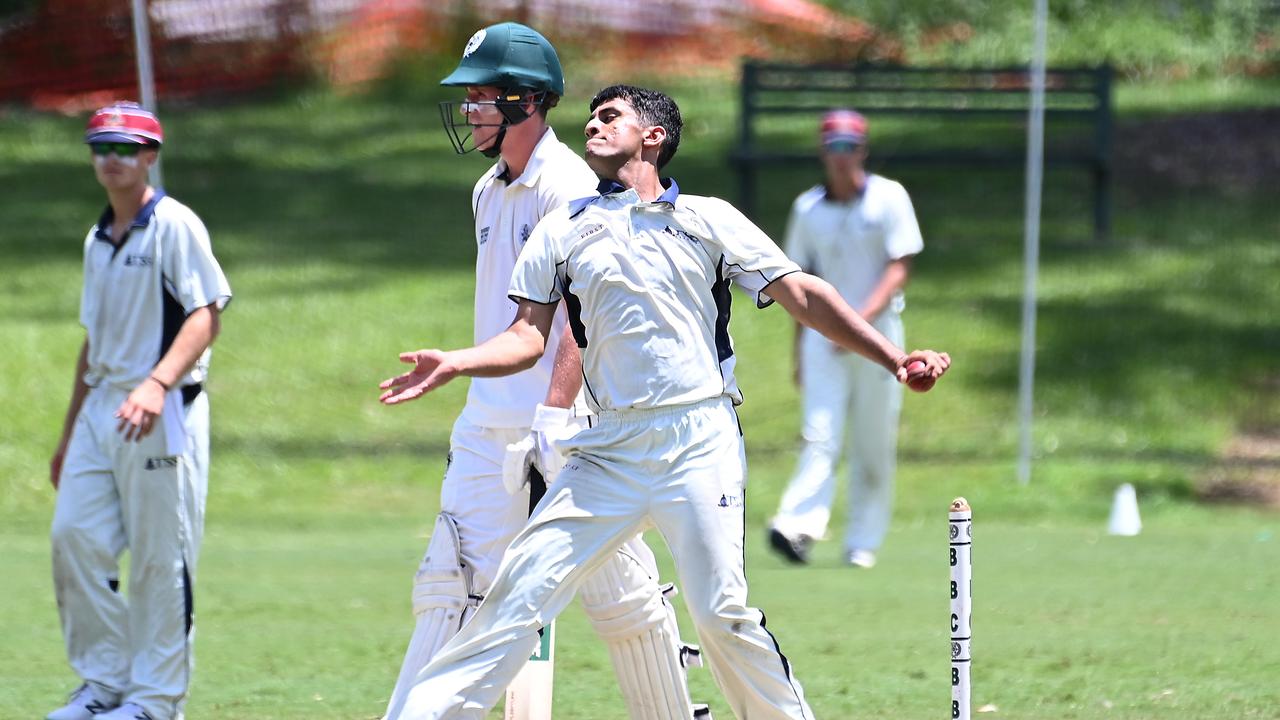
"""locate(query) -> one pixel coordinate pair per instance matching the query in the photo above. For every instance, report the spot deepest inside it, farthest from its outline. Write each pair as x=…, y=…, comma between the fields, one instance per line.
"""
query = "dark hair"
x=654, y=108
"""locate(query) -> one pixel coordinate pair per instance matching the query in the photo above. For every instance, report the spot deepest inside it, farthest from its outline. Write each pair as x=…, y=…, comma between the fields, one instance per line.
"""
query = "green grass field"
x=342, y=225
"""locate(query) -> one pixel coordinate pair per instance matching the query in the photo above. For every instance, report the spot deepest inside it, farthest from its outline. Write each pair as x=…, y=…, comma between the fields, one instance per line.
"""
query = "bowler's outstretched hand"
x=430, y=371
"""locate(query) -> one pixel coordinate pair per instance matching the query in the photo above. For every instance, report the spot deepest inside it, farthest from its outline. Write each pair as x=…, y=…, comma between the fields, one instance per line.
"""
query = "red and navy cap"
x=843, y=128
x=124, y=122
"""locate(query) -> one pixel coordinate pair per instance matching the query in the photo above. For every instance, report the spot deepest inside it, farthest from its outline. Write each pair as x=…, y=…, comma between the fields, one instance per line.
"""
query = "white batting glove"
x=516, y=463
x=536, y=450
x=550, y=425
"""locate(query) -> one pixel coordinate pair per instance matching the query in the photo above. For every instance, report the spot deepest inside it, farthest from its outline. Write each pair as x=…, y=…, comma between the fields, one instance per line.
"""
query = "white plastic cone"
x=1124, y=512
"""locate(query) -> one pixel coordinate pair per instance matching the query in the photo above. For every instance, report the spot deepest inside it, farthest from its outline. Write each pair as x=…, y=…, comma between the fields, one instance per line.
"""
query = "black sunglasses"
x=120, y=149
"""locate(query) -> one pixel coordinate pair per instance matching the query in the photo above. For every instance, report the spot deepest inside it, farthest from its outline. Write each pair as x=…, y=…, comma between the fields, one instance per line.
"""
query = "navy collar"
x=613, y=187
x=610, y=187
x=141, y=220
x=826, y=192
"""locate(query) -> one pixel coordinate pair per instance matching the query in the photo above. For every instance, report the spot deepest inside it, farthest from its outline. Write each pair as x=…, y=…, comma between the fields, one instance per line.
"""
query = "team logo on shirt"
x=138, y=260
x=589, y=230
x=159, y=463
x=484, y=235
x=525, y=231
x=681, y=234
x=730, y=501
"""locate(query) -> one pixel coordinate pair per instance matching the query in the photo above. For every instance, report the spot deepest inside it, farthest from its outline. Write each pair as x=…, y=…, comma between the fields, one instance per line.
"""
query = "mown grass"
x=343, y=226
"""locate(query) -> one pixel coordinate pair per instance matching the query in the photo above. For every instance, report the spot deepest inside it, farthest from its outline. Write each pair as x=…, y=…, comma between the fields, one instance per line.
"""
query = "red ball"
x=918, y=378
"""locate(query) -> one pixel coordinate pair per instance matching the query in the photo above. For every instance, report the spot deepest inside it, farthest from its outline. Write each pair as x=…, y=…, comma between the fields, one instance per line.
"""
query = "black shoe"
x=797, y=550
x=701, y=712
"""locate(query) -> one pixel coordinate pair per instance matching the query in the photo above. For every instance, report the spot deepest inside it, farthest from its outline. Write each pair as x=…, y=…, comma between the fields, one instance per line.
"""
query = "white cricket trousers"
x=115, y=496
x=680, y=469
x=850, y=403
x=487, y=518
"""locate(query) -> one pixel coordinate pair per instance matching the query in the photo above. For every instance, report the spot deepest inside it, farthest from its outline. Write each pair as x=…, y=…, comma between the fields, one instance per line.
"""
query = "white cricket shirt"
x=647, y=288
x=136, y=296
x=506, y=211
x=848, y=244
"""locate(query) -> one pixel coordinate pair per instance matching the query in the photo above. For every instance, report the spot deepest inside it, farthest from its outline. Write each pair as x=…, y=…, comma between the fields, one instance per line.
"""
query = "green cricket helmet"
x=517, y=60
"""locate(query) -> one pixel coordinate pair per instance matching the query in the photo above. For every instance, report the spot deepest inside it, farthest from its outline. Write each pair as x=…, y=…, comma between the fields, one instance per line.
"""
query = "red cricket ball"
x=917, y=377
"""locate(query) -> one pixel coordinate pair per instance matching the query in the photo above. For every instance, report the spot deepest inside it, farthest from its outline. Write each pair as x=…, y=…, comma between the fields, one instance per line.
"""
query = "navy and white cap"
x=124, y=122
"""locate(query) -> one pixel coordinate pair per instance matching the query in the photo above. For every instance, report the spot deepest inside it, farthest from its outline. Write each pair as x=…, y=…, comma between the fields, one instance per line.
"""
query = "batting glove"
x=537, y=449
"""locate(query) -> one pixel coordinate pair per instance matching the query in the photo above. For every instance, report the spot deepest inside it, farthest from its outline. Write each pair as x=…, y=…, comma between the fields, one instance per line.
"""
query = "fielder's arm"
x=78, y=391
x=507, y=353
x=138, y=411
x=813, y=302
x=893, y=279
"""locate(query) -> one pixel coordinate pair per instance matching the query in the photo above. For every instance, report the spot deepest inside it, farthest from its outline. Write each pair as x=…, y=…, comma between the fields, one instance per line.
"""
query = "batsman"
x=501, y=448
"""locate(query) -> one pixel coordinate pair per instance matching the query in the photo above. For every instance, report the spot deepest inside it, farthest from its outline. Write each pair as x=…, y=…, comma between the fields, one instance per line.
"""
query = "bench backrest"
x=779, y=98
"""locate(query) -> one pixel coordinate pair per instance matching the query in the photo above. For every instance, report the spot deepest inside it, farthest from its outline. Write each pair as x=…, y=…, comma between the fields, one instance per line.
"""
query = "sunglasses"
x=119, y=149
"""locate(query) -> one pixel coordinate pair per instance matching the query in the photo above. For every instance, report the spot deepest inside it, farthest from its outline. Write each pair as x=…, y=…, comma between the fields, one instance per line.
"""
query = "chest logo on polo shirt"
x=674, y=232
x=138, y=260
x=525, y=232
x=589, y=230
x=484, y=235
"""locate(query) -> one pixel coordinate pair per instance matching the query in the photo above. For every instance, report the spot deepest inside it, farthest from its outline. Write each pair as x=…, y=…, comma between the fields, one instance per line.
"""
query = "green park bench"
x=961, y=116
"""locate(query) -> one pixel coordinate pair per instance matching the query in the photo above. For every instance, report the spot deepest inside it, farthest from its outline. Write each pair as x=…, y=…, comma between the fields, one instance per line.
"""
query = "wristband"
x=547, y=417
x=159, y=382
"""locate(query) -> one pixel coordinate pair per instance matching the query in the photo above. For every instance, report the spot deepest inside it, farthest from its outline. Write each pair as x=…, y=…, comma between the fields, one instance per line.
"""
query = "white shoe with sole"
x=861, y=558
x=84, y=703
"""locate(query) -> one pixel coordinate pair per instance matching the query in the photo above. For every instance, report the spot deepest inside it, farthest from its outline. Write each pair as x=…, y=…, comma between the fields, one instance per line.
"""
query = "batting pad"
x=631, y=615
x=442, y=602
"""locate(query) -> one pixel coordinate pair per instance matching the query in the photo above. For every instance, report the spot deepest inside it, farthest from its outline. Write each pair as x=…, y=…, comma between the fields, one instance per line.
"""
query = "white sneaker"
x=861, y=558
x=127, y=711
x=83, y=704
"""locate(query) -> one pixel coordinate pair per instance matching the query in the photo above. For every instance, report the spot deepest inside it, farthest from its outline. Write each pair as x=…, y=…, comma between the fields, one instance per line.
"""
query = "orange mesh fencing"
x=69, y=55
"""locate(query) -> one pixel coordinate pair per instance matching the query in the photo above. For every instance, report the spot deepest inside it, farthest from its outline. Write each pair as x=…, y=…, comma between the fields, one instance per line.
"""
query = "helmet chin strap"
x=514, y=114
x=495, y=149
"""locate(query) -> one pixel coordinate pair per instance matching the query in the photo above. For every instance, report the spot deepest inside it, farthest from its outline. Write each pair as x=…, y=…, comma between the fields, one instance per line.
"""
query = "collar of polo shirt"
x=141, y=220
x=669, y=195
x=533, y=168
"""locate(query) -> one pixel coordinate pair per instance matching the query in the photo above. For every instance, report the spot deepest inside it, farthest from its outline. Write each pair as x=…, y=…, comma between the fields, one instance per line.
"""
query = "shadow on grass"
x=330, y=448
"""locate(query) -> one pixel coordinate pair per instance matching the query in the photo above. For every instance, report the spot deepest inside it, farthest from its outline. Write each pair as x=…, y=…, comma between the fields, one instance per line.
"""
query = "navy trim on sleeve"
x=173, y=318
x=766, y=303
x=518, y=298
x=723, y=298
x=574, y=306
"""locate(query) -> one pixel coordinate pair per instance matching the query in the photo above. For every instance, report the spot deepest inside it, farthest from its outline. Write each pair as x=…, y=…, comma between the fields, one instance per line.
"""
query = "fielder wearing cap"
x=131, y=467
x=858, y=231
x=645, y=270
x=502, y=449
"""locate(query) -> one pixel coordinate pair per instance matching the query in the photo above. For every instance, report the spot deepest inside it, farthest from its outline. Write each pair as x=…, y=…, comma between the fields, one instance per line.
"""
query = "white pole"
x=960, y=525
x=146, y=79
x=1031, y=242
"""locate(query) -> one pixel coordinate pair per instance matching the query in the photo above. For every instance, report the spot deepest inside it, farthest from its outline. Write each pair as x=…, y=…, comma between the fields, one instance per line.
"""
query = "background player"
x=132, y=466
x=512, y=78
x=859, y=232
x=645, y=271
